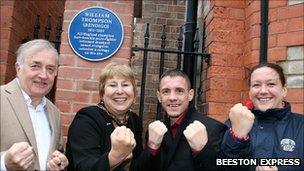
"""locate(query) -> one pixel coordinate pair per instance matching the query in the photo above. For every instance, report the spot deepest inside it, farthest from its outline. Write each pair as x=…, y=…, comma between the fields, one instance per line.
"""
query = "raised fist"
x=266, y=168
x=58, y=161
x=156, y=130
x=241, y=119
x=196, y=135
x=122, y=145
x=19, y=157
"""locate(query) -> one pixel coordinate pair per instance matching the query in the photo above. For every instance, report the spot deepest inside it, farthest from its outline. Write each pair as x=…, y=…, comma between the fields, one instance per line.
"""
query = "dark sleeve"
x=146, y=161
x=232, y=148
x=206, y=158
x=84, y=149
x=136, y=123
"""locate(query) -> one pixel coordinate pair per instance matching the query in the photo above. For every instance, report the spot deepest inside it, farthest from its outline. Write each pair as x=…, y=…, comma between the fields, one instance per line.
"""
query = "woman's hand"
x=122, y=145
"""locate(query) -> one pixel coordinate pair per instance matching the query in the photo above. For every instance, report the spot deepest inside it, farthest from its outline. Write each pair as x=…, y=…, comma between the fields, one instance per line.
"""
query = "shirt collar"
x=28, y=100
x=179, y=120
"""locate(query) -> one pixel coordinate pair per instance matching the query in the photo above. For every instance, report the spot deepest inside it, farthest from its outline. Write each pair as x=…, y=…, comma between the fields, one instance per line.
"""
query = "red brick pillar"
x=77, y=83
x=225, y=31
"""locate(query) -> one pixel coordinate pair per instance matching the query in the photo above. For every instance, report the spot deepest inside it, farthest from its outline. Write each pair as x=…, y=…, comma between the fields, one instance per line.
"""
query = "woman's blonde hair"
x=116, y=70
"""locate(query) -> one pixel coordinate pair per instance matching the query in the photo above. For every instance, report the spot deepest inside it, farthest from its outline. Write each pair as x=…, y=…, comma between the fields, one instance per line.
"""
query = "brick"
x=277, y=27
x=64, y=84
x=273, y=14
x=217, y=84
x=226, y=72
x=291, y=11
x=253, y=32
x=77, y=106
x=254, y=19
x=219, y=59
x=64, y=130
x=291, y=39
x=252, y=57
x=87, y=85
x=66, y=60
x=235, y=60
x=277, y=54
x=235, y=85
x=238, y=14
x=222, y=12
x=65, y=95
x=297, y=108
x=66, y=119
x=226, y=24
x=295, y=95
x=95, y=97
x=229, y=3
x=63, y=106
x=223, y=96
x=276, y=4
x=96, y=73
x=73, y=72
x=90, y=64
x=272, y=41
x=220, y=118
x=252, y=7
x=218, y=108
x=295, y=24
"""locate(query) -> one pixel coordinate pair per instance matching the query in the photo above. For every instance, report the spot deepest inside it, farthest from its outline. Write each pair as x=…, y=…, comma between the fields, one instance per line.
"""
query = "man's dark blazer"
x=175, y=153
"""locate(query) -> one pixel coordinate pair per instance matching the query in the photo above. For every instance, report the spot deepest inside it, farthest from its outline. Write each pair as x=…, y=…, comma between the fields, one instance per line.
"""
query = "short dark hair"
x=176, y=73
x=273, y=66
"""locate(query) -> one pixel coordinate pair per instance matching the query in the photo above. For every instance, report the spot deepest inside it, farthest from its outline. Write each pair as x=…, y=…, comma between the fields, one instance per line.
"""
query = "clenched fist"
x=157, y=130
x=241, y=119
x=58, y=161
x=122, y=145
x=19, y=157
x=196, y=135
x=266, y=168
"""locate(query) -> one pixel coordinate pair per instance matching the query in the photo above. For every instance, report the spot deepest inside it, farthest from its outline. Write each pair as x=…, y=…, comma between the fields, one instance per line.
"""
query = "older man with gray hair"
x=30, y=123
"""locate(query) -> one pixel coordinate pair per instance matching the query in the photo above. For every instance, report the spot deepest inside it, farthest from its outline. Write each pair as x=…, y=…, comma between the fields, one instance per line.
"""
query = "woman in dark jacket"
x=107, y=136
x=269, y=129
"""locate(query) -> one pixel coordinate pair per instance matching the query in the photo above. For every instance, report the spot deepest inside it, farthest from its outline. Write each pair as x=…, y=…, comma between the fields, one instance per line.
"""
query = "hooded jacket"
x=276, y=133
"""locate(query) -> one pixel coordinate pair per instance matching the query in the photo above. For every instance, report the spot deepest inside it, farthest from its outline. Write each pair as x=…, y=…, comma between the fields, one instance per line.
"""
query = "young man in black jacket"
x=187, y=140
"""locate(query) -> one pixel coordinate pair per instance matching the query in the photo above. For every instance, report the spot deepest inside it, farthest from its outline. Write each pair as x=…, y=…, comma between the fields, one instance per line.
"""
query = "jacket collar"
x=273, y=114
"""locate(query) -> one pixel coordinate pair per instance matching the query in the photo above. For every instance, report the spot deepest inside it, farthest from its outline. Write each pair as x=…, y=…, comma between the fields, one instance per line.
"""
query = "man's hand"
x=196, y=135
x=266, y=168
x=241, y=119
x=157, y=130
x=19, y=157
x=58, y=161
x=122, y=145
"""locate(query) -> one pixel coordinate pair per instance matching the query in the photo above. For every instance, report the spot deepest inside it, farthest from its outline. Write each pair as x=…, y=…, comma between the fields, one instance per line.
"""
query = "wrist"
x=153, y=146
x=115, y=158
x=238, y=137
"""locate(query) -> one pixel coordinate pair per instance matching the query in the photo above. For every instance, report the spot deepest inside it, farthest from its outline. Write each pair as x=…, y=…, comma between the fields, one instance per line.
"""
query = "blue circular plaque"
x=95, y=33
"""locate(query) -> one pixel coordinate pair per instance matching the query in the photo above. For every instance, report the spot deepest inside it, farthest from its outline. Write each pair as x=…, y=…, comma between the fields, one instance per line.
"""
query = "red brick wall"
x=17, y=22
x=225, y=30
x=233, y=39
x=77, y=82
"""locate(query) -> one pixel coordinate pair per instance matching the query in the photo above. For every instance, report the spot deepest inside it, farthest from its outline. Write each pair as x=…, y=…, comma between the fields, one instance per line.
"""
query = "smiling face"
x=118, y=95
x=37, y=73
x=266, y=90
x=174, y=95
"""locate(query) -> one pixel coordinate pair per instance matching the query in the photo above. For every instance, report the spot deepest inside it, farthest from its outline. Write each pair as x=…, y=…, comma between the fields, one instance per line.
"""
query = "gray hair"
x=32, y=47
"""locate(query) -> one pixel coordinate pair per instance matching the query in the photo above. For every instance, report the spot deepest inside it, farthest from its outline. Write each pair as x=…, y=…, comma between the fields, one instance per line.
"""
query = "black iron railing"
x=162, y=51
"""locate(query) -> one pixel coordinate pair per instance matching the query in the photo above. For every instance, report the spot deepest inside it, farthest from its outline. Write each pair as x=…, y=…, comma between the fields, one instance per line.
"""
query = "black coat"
x=175, y=153
x=89, y=141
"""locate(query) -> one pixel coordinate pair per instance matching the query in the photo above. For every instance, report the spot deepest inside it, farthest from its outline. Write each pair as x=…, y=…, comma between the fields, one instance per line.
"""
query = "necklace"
x=114, y=117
